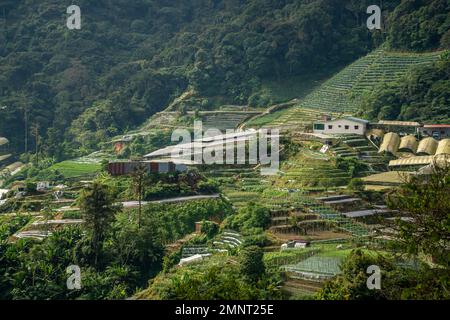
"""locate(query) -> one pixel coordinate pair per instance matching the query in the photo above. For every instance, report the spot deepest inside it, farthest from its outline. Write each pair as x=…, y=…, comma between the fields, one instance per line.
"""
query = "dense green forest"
x=130, y=59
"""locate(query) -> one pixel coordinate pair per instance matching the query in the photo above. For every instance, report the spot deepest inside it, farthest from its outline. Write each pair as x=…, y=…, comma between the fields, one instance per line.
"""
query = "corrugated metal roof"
x=427, y=146
x=350, y=119
x=365, y=213
x=408, y=143
x=437, y=126
x=4, y=157
x=343, y=201
x=443, y=147
x=391, y=142
x=419, y=160
x=357, y=120
x=400, y=123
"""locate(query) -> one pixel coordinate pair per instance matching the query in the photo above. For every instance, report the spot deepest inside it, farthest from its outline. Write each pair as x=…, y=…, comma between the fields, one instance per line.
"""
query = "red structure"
x=128, y=167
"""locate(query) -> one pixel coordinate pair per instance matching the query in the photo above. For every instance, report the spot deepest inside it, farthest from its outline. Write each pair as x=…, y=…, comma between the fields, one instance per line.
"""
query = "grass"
x=72, y=169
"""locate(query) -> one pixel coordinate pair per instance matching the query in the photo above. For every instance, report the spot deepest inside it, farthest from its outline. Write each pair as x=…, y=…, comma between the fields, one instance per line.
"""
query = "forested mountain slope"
x=130, y=59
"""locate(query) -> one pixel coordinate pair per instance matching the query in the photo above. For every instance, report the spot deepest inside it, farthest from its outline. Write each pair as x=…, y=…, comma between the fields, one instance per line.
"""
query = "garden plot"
x=74, y=168
x=342, y=92
x=311, y=170
x=222, y=243
x=225, y=120
x=316, y=268
x=298, y=118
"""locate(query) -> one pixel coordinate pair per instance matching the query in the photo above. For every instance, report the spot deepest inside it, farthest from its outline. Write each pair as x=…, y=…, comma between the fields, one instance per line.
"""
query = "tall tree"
x=97, y=205
x=426, y=200
x=139, y=181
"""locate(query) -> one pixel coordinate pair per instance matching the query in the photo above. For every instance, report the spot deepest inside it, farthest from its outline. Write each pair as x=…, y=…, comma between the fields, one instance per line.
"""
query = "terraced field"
x=223, y=120
x=354, y=146
x=311, y=169
x=300, y=120
x=240, y=185
x=342, y=93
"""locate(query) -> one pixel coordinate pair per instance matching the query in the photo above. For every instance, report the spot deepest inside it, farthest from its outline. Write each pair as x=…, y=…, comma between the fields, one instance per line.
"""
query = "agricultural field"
x=223, y=120
x=341, y=94
x=310, y=169
x=300, y=120
x=72, y=169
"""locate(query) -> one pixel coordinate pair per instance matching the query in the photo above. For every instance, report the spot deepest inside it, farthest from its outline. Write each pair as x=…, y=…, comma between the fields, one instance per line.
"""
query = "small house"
x=346, y=125
x=42, y=186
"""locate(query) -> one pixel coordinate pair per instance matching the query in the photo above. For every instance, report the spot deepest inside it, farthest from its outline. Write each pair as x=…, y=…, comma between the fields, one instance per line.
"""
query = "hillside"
x=90, y=183
x=130, y=61
x=345, y=92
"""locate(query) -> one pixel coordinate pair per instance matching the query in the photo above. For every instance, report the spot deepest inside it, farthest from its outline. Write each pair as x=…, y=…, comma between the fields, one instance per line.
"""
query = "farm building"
x=128, y=167
x=347, y=125
x=437, y=131
x=408, y=144
x=427, y=146
x=443, y=147
x=390, y=144
x=418, y=162
x=405, y=127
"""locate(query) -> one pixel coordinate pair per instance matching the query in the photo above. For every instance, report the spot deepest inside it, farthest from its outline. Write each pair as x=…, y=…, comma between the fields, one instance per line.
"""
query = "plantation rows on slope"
x=343, y=92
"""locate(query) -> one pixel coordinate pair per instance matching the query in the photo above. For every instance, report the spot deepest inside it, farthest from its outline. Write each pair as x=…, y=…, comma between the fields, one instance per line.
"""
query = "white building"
x=42, y=186
x=347, y=125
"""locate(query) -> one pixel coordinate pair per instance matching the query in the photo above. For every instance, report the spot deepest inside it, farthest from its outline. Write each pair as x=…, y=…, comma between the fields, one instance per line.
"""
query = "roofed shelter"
x=408, y=127
x=427, y=146
x=390, y=144
x=443, y=147
x=408, y=143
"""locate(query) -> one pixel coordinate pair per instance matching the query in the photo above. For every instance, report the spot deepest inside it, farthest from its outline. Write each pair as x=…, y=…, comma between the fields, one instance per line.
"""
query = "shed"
x=408, y=143
x=390, y=144
x=427, y=146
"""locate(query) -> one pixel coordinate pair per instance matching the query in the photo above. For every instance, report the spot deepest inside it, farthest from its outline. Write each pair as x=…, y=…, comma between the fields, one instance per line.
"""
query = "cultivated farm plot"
x=311, y=169
x=341, y=94
x=72, y=169
x=296, y=118
x=225, y=120
x=316, y=267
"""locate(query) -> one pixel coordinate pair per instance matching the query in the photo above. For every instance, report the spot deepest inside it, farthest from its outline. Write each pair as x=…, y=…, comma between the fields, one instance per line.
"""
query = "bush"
x=251, y=216
x=356, y=185
x=251, y=263
x=210, y=229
